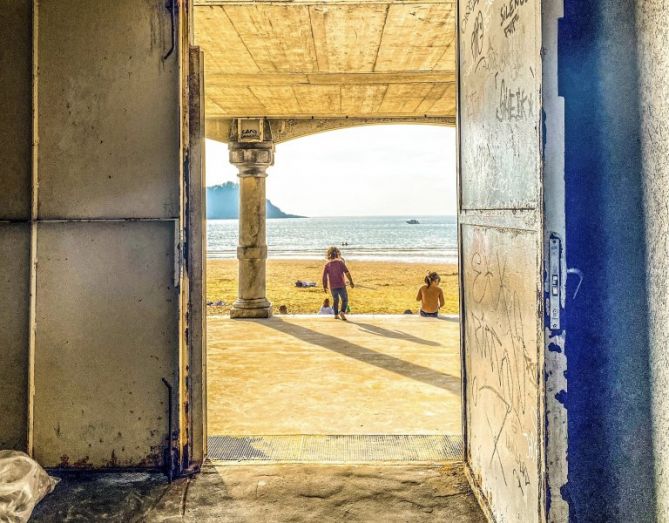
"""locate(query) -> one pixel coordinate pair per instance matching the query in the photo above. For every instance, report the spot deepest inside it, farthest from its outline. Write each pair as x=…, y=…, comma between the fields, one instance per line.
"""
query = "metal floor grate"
x=336, y=449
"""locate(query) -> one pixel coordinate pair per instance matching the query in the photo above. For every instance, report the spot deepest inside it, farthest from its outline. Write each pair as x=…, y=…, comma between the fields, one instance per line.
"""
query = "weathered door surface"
x=196, y=241
x=108, y=232
x=501, y=253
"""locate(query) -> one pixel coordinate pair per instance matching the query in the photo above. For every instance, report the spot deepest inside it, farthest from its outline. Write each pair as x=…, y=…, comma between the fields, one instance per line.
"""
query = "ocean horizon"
x=368, y=238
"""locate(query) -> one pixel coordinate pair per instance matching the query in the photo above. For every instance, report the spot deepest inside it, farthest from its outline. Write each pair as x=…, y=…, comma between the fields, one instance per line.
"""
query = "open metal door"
x=501, y=252
x=108, y=318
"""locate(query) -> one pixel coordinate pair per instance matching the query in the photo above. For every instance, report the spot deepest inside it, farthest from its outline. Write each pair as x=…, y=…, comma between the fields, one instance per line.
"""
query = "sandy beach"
x=380, y=287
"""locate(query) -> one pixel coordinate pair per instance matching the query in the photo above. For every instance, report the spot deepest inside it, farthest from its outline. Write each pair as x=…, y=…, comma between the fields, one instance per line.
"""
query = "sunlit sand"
x=380, y=287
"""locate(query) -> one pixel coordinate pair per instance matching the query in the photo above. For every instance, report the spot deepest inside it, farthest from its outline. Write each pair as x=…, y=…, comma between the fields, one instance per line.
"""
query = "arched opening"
x=386, y=197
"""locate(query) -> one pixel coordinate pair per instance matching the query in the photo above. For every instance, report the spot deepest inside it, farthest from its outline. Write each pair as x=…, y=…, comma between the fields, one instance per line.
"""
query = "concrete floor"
x=314, y=375
x=268, y=493
x=306, y=375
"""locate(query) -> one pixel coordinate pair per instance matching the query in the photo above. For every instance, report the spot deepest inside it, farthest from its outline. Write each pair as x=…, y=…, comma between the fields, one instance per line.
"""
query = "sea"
x=382, y=238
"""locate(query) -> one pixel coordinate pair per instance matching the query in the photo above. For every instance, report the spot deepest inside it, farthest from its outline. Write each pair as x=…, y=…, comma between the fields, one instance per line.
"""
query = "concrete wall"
x=15, y=205
x=14, y=314
x=16, y=109
x=652, y=29
x=611, y=72
x=501, y=254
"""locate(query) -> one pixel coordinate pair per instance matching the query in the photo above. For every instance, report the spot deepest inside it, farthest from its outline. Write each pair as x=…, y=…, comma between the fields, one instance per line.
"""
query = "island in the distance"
x=223, y=203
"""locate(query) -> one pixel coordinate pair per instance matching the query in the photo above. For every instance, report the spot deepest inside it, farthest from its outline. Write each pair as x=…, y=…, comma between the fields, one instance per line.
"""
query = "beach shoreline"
x=382, y=287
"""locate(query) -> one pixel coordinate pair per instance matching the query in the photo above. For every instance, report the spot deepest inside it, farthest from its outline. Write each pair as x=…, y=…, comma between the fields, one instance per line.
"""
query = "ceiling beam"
x=279, y=79
x=329, y=116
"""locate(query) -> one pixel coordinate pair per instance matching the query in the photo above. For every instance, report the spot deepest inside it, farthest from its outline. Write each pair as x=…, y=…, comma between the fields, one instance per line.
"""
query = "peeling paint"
x=562, y=397
x=554, y=347
x=113, y=462
x=611, y=458
x=555, y=363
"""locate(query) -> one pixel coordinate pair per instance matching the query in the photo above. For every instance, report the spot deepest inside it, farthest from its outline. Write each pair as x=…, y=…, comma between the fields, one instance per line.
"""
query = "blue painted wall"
x=608, y=401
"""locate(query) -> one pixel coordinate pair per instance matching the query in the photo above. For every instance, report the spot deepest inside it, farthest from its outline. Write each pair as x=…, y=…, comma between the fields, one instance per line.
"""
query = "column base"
x=260, y=308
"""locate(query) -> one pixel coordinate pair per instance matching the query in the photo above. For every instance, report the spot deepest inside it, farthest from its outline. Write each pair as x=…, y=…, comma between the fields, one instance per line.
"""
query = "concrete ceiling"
x=327, y=59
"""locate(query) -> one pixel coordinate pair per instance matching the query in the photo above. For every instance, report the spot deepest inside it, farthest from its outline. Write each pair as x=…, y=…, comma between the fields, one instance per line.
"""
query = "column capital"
x=251, y=146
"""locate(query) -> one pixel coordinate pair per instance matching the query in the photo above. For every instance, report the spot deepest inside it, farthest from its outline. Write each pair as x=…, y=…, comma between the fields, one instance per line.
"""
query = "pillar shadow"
x=369, y=356
x=398, y=335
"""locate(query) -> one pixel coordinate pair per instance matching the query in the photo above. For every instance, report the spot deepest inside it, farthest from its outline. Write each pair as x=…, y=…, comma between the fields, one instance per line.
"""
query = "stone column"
x=252, y=153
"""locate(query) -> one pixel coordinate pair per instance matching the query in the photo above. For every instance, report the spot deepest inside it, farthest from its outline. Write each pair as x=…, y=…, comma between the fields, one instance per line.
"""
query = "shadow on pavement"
x=372, y=357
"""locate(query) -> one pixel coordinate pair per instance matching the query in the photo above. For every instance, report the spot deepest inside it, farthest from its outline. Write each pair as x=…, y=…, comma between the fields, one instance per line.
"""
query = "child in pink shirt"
x=334, y=271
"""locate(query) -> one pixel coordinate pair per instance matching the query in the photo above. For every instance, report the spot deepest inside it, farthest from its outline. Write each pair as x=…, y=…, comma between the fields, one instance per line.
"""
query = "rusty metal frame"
x=541, y=336
x=196, y=261
x=458, y=191
x=184, y=393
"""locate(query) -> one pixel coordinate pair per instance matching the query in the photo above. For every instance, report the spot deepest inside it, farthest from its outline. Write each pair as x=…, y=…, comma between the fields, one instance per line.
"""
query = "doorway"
x=501, y=230
x=383, y=386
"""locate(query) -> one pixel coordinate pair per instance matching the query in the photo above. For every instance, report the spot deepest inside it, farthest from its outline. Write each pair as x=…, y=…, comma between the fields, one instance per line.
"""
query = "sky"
x=400, y=170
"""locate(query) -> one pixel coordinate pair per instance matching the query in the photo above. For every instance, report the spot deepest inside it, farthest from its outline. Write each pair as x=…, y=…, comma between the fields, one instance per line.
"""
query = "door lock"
x=554, y=252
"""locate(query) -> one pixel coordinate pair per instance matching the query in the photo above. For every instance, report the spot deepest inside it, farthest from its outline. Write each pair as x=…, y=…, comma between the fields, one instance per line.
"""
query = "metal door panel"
x=197, y=259
x=106, y=335
x=500, y=105
x=501, y=242
x=108, y=104
x=502, y=367
x=15, y=211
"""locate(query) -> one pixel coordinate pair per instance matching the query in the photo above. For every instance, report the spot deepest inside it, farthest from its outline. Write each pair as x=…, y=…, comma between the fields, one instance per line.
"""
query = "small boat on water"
x=413, y=222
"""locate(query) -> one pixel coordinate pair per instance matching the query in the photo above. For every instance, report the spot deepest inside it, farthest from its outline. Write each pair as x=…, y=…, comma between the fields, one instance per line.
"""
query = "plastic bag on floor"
x=23, y=483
